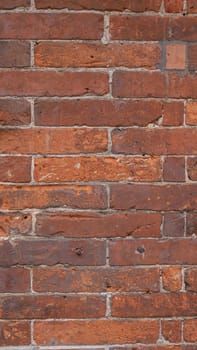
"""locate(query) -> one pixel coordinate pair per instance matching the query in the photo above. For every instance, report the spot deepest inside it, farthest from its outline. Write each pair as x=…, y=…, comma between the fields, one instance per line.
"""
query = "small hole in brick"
x=79, y=251
x=140, y=250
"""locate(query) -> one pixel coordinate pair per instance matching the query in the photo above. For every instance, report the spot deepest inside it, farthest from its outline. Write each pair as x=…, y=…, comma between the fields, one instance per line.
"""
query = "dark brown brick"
x=14, y=280
x=191, y=223
x=14, y=112
x=14, y=54
x=191, y=279
x=174, y=224
x=174, y=169
x=12, y=4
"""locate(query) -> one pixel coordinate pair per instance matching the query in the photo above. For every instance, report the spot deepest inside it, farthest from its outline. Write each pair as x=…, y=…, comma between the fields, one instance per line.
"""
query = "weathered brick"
x=190, y=331
x=192, y=6
x=154, y=305
x=15, y=169
x=191, y=223
x=96, y=332
x=96, y=280
x=14, y=54
x=97, y=169
x=74, y=196
x=192, y=57
x=98, y=225
x=192, y=168
x=47, y=306
x=153, y=197
x=53, y=141
x=25, y=83
x=14, y=280
x=191, y=113
x=45, y=252
x=173, y=113
x=172, y=278
x=191, y=279
x=50, y=54
x=151, y=251
x=174, y=169
x=14, y=224
x=152, y=347
x=173, y=6
x=107, y=5
x=51, y=26
x=155, y=141
x=171, y=330
x=12, y=4
x=15, y=333
x=99, y=112
x=174, y=224
x=176, y=56
x=14, y=112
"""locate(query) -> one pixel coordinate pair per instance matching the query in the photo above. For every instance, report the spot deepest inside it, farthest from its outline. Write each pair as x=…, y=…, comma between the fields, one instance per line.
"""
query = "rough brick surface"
x=98, y=174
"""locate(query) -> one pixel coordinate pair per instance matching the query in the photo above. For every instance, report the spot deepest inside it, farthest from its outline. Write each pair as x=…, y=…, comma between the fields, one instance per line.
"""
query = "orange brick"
x=172, y=279
x=176, y=56
x=191, y=113
x=171, y=330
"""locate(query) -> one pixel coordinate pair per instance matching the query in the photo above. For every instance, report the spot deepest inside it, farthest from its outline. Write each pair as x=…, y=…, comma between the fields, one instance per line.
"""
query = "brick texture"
x=98, y=174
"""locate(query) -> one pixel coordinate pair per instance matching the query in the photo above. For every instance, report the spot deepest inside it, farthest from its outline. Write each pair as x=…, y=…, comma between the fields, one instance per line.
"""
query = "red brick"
x=69, y=54
x=99, y=112
x=96, y=280
x=172, y=278
x=15, y=169
x=14, y=112
x=14, y=54
x=97, y=169
x=73, y=196
x=51, y=83
x=98, y=225
x=171, y=330
x=96, y=332
x=47, y=306
x=190, y=330
x=12, y=4
x=152, y=347
x=155, y=141
x=173, y=113
x=53, y=141
x=191, y=279
x=192, y=6
x=153, y=197
x=15, y=333
x=174, y=224
x=45, y=252
x=191, y=224
x=154, y=84
x=14, y=224
x=192, y=57
x=191, y=113
x=192, y=168
x=51, y=26
x=154, y=305
x=153, y=28
x=174, y=169
x=173, y=6
x=150, y=251
x=176, y=56
x=14, y=280
x=107, y=5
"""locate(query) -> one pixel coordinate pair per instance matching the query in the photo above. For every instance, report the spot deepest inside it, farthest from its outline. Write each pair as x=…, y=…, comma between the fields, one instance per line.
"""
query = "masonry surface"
x=98, y=174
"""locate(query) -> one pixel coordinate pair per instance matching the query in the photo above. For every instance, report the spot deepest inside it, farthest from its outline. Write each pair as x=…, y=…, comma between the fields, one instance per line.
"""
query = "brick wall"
x=98, y=171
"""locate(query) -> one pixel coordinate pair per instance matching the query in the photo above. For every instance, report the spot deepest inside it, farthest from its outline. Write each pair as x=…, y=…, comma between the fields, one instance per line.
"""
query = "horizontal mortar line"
x=75, y=294
x=90, y=347
x=104, y=318
x=82, y=69
x=97, y=127
x=96, y=183
x=103, y=97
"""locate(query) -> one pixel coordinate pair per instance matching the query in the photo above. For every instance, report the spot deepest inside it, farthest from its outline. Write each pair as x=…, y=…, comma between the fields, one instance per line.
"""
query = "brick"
x=153, y=197
x=42, y=197
x=25, y=83
x=152, y=28
x=192, y=6
x=15, y=333
x=191, y=113
x=174, y=169
x=47, y=306
x=173, y=6
x=98, y=112
x=45, y=252
x=97, y=169
x=189, y=330
x=150, y=251
x=173, y=113
x=169, y=141
x=12, y=4
x=14, y=280
x=172, y=278
x=14, y=112
x=107, y=5
x=153, y=84
x=174, y=224
x=32, y=26
x=12, y=224
x=191, y=223
x=192, y=57
x=96, y=332
x=96, y=280
x=65, y=54
x=192, y=168
x=15, y=169
x=171, y=330
x=154, y=305
x=14, y=54
x=152, y=347
x=176, y=56
x=191, y=279
x=53, y=141
x=98, y=225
